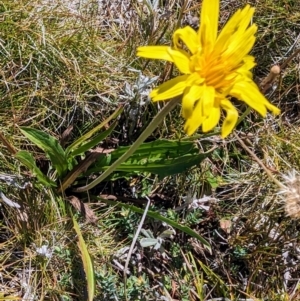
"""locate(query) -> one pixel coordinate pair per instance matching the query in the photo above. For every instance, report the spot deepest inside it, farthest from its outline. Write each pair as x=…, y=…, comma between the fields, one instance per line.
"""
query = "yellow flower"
x=214, y=68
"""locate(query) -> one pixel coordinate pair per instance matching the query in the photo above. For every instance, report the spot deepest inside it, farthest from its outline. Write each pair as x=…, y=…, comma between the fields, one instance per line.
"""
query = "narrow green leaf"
x=87, y=262
x=96, y=140
x=214, y=277
x=27, y=159
x=89, y=134
x=50, y=146
x=158, y=216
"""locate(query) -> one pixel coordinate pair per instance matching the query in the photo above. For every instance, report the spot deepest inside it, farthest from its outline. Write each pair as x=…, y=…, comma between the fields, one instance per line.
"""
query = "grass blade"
x=89, y=134
x=87, y=262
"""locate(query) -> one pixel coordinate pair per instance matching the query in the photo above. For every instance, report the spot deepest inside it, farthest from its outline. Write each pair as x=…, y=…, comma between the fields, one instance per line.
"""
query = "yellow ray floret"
x=214, y=67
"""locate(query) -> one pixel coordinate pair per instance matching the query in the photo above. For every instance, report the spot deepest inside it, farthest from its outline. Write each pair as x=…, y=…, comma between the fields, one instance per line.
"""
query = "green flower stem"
x=147, y=132
x=243, y=116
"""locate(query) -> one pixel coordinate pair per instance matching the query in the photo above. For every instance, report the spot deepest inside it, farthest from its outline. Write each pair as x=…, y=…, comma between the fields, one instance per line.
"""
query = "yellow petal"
x=169, y=89
x=193, y=123
x=230, y=119
x=212, y=120
x=181, y=59
x=272, y=108
x=189, y=37
x=248, y=92
x=248, y=64
x=191, y=95
x=209, y=23
x=207, y=100
x=236, y=25
x=195, y=79
x=227, y=31
x=245, y=17
x=240, y=45
x=155, y=52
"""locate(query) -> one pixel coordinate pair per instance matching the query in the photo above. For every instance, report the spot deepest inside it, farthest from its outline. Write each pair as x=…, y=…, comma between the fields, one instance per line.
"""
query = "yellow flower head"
x=214, y=67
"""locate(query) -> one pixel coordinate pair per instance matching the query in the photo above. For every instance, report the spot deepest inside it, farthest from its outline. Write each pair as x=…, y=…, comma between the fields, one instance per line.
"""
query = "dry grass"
x=66, y=64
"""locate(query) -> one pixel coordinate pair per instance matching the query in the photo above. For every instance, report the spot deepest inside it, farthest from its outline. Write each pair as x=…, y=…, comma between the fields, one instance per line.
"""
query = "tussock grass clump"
x=59, y=64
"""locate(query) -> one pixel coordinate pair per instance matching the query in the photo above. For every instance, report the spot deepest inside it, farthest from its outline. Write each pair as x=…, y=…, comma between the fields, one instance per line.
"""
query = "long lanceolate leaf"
x=79, y=142
x=87, y=262
x=161, y=157
x=165, y=167
x=96, y=140
x=50, y=146
x=159, y=148
x=27, y=159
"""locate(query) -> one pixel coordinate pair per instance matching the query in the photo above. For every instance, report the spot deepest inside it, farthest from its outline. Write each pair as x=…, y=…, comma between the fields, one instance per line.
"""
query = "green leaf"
x=164, y=167
x=158, y=149
x=212, y=180
x=74, y=146
x=159, y=217
x=161, y=157
x=27, y=159
x=87, y=262
x=148, y=242
x=50, y=146
x=72, y=162
x=96, y=140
